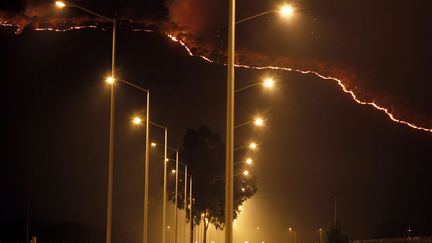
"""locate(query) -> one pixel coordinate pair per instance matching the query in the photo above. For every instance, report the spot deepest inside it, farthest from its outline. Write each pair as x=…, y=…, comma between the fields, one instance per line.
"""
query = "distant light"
x=110, y=80
x=286, y=10
x=153, y=144
x=268, y=83
x=246, y=172
x=137, y=121
x=243, y=189
x=173, y=171
x=240, y=207
x=60, y=4
x=253, y=146
x=258, y=228
x=168, y=227
x=249, y=161
x=290, y=229
x=259, y=122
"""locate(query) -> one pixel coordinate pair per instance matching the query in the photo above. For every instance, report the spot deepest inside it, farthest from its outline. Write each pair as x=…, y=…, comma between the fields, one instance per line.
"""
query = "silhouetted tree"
x=335, y=235
x=204, y=153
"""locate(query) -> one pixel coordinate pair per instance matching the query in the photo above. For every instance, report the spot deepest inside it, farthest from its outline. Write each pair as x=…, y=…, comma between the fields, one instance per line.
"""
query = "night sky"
x=317, y=140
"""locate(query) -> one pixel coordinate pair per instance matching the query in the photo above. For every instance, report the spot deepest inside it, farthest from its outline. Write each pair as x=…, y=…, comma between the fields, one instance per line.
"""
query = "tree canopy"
x=335, y=234
x=204, y=153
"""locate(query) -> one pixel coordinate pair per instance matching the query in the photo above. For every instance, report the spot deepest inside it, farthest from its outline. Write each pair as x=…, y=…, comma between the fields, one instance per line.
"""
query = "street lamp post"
x=229, y=161
x=165, y=185
x=61, y=4
x=190, y=211
x=320, y=235
x=176, y=171
x=185, y=202
x=147, y=157
x=164, y=197
x=294, y=232
x=164, y=203
x=176, y=195
x=286, y=10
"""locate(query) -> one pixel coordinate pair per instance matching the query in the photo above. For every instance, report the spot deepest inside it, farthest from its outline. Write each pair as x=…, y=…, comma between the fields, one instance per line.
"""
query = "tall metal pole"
x=185, y=203
x=111, y=140
x=164, y=204
x=229, y=180
x=190, y=211
x=27, y=215
x=146, y=172
x=176, y=195
x=320, y=235
x=335, y=209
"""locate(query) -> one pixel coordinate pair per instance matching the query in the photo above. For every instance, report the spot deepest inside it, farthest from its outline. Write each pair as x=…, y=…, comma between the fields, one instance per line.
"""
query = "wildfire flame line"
x=338, y=81
x=65, y=29
x=190, y=53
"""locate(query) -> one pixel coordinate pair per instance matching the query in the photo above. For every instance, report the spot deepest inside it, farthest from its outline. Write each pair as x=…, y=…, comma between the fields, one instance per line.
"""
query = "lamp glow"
x=137, y=121
x=253, y=146
x=153, y=144
x=110, y=80
x=259, y=122
x=268, y=83
x=286, y=10
x=246, y=172
x=60, y=4
x=249, y=161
